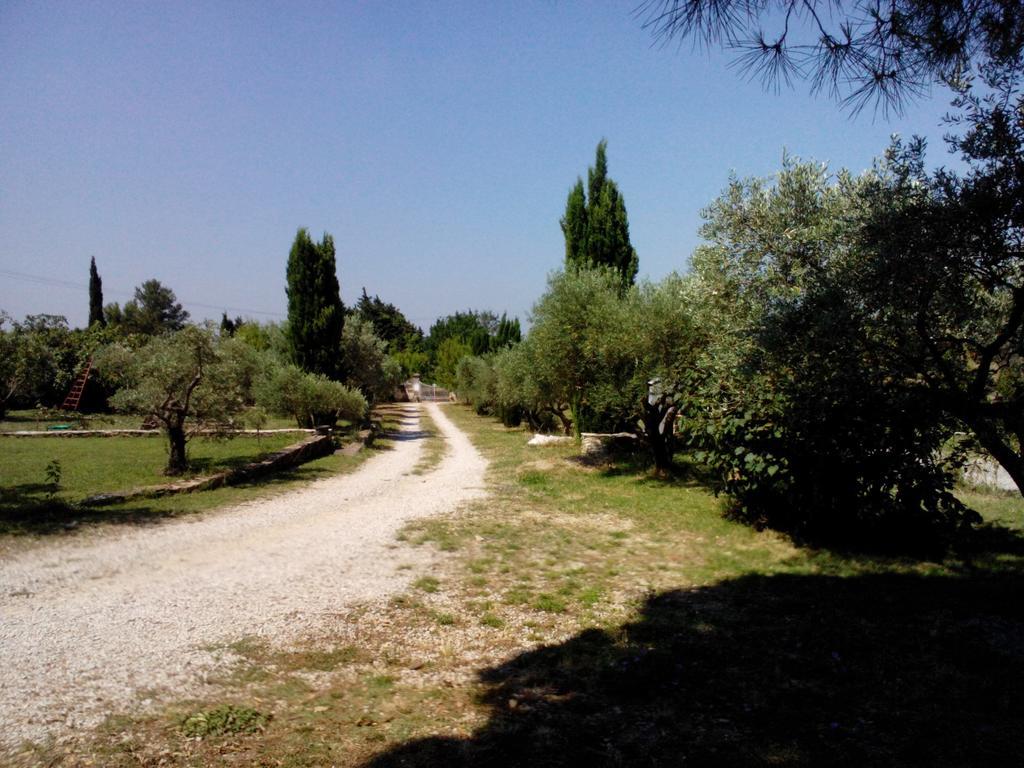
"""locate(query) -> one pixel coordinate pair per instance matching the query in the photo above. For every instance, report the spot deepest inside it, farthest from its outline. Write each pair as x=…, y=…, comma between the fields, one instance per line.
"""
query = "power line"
x=42, y=280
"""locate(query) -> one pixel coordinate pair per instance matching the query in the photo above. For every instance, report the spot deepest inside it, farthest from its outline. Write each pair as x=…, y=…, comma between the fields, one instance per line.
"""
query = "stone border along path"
x=90, y=625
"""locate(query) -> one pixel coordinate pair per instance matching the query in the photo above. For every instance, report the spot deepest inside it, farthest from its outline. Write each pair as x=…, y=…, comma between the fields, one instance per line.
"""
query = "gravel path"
x=93, y=624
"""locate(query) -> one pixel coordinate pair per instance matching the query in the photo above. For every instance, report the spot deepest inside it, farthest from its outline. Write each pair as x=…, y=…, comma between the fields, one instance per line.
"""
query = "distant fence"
x=416, y=391
x=431, y=393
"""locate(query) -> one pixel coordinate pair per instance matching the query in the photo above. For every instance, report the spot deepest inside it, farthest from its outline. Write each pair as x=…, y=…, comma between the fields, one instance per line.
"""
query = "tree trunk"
x=177, y=461
x=1002, y=452
x=658, y=428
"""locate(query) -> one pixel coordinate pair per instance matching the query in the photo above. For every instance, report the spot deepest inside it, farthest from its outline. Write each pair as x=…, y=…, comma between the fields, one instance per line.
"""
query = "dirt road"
x=97, y=623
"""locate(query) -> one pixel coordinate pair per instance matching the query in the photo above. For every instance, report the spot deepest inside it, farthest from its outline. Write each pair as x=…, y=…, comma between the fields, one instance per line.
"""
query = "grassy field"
x=601, y=616
x=42, y=419
x=30, y=504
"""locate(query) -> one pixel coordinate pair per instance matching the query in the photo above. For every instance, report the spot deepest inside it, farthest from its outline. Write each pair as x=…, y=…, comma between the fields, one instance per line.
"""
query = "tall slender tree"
x=595, y=224
x=95, y=296
x=316, y=315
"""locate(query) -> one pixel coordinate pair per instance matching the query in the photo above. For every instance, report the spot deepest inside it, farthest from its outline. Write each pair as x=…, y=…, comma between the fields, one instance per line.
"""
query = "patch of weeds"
x=324, y=660
x=379, y=685
x=440, y=533
x=518, y=595
x=533, y=478
x=427, y=584
x=549, y=603
x=444, y=619
x=225, y=719
x=590, y=596
x=491, y=620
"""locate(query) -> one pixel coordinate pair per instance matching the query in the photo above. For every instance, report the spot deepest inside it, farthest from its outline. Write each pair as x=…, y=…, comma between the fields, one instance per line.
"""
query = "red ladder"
x=75, y=395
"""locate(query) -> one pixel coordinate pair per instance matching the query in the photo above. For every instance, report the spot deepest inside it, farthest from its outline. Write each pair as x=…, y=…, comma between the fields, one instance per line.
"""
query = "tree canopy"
x=389, y=323
x=95, y=295
x=316, y=315
x=153, y=310
x=595, y=225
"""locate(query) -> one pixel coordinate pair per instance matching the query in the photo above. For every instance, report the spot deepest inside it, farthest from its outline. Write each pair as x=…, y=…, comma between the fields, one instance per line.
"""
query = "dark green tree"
x=595, y=224
x=154, y=310
x=316, y=315
x=389, y=323
x=95, y=295
x=229, y=327
x=508, y=333
x=462, y=326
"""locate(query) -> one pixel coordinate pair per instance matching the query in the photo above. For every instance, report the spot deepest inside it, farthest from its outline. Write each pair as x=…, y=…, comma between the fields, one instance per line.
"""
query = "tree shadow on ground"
x=402, y=437
x=29, y=508
x=767, y=670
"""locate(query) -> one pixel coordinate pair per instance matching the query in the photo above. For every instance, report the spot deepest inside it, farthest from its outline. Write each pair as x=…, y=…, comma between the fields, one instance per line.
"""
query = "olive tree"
x=370, y=369
x=573, y=344
x=311, y=399
x=186, y=381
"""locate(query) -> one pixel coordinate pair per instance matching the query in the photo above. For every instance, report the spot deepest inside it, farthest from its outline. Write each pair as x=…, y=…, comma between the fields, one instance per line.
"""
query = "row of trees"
x=325, y=363
x=839, y=345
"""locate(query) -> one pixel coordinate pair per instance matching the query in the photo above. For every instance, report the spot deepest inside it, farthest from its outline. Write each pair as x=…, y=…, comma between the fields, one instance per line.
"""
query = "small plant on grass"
x=549, y=603
x=256, y=417
x=427, y=584
x=53, y=476
x=225, y=719
x=444, y=619
x=491, y=620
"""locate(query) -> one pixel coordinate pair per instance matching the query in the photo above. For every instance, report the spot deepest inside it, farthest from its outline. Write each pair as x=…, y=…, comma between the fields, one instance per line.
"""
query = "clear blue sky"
x=435, y=141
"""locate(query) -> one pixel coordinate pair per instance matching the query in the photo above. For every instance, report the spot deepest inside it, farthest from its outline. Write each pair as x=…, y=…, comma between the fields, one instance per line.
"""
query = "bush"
x=313, y=400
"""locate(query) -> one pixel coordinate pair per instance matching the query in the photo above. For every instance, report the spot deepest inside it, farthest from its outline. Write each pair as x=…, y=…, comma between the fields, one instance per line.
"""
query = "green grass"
x=96, y=464
x=608, y=616
x=91, y=465
x=40, y=419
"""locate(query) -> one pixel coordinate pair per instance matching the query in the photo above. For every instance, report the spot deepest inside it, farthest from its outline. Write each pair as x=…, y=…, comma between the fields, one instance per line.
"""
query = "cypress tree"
x=316, y=315
x=574, y=224
x=595, y=224
x=95, y=296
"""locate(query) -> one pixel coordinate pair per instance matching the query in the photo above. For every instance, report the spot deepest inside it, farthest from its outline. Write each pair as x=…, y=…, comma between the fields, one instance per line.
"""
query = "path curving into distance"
x=90, y=625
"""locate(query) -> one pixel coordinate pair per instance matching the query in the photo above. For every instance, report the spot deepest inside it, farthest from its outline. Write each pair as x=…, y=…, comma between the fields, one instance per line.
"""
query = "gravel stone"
x=100, y=623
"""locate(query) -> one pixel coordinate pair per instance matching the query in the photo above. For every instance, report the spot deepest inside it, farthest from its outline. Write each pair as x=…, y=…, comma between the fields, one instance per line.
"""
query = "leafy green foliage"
x=448, y=355
x=53, y=475
x=371, y=370
x=95, y=295
x=223, y=720
x=595, y=225
x=316, y=315
x=312, y=399
x=154, y=310
x=40, y=358
x=804, y=426
x=183, y=380
x=389, y=323
x=575, y=346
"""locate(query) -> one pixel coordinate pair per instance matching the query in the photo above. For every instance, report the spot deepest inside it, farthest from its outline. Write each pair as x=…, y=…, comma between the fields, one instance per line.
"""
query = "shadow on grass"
x=767, y=670
x=28, y=509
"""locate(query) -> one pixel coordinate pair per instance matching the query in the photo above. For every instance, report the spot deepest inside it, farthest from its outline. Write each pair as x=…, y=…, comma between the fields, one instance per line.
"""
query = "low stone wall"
x=313, y=447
